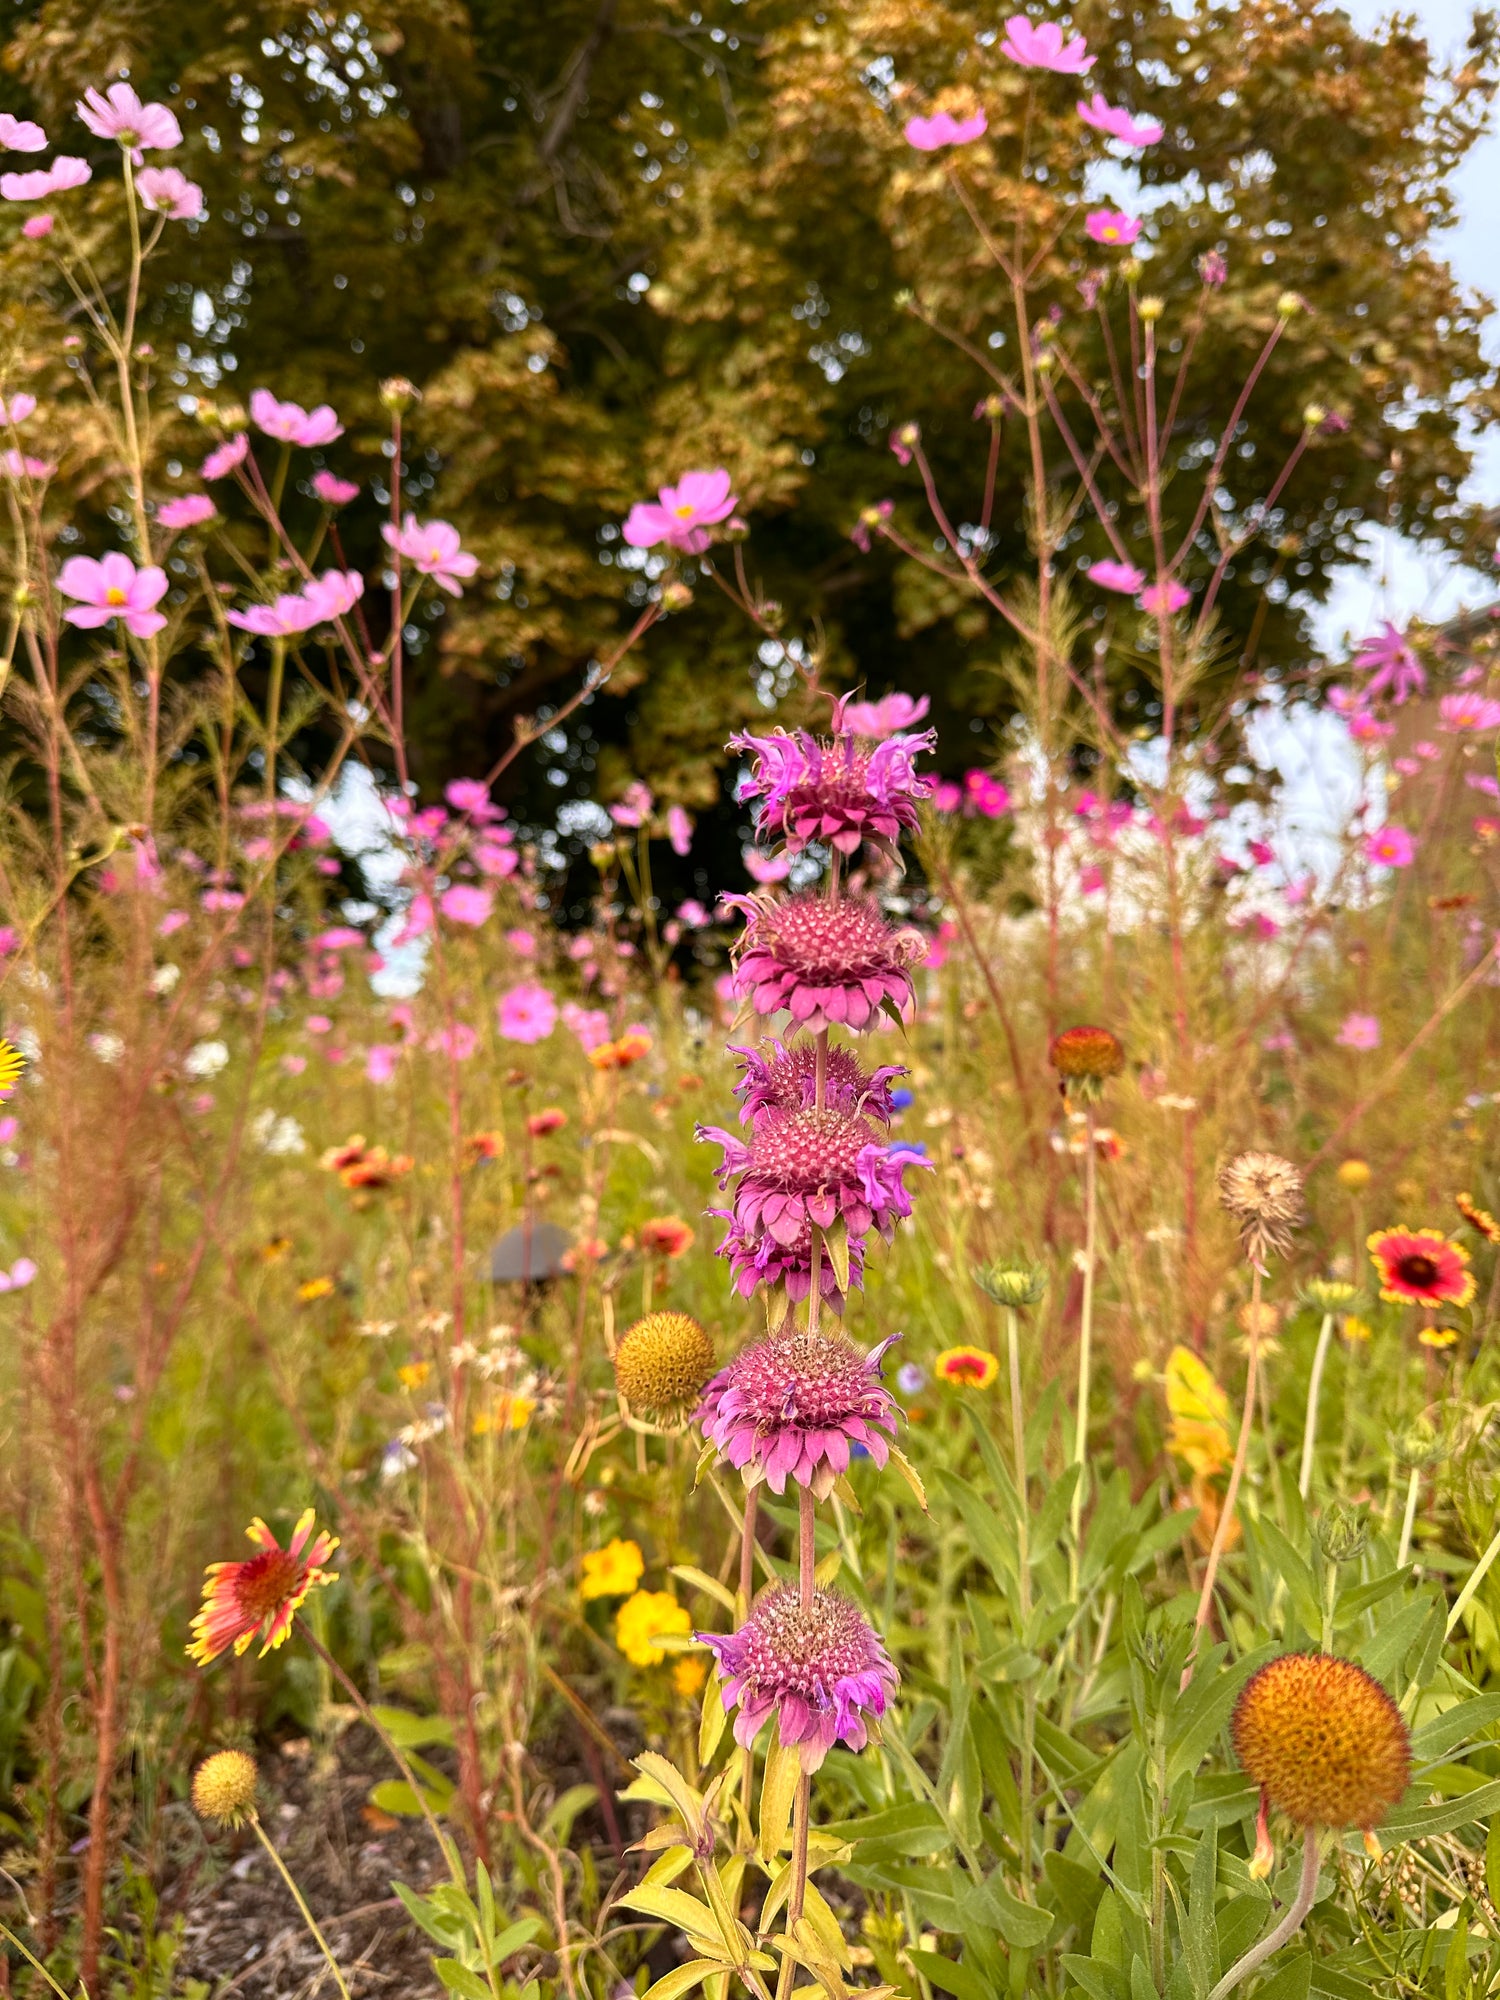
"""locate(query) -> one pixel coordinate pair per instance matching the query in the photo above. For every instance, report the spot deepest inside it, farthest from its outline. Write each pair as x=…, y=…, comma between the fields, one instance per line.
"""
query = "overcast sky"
x=1401, y=582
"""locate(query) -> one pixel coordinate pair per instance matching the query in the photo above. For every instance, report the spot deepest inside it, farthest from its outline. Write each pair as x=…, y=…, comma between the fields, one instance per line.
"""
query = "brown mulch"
x=242, y=1933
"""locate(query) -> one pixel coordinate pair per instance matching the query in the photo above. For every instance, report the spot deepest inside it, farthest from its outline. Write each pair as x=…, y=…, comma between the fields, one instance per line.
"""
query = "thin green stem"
x=1237, y=1473
x=1023, y=1562
x=298, y=1898
x=1085, y=1337
x=1314, y=1390
x=1291, y=1921
x=31, y=1958
x=1408, y=1519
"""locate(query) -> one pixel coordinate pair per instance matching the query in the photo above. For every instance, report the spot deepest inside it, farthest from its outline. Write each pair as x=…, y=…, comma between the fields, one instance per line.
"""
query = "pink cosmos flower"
x=1091, y=880
x=681, y=515
x=942, y=129
x=432, y=547
x=1360, y=1031
x=335, y=492
x=459, y=1041
x=289, y=614
x=767, y=868
x=36, y=226
x=465, y=904
x=10, y=940
x=20, y=135
x=113, y=588
x=1044, y=47
x=1118, y=123
x=881, y=718
x=335, y=593
x=1481, y=781
x=167, y=191
x=1469, y=714
x=381, y=1062
x=1162, y=599
x=19, y=1276
x=818, y=1671
x=65, y=172
x=226, y=457
x=870, y=519
x=341, y=937
x=1107, y=225
x=188, y=512
x=947, y=796
x=291, y=423
x=589, y=1024
x=527, y=1013
x=172, y=921
x=17, y=409
x=679, y=830
x=120, y=114
x=636, y=807
x=1391, y=847
x=1260, y=853
x=522, y=943
x=468, y=795
x=1391, y=664
x=20, y=465
x=985, y=795
x=692, y=913
x=491, y=858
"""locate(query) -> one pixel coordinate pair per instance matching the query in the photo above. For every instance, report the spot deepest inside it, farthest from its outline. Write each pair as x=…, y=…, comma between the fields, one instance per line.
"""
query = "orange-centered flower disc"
x=258, y=1599
x=1086, y=1052
x=1323, y=1740
x=1420, y=1267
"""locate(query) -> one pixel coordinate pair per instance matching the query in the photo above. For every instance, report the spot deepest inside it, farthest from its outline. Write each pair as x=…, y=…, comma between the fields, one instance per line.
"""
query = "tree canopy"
x=613, y=239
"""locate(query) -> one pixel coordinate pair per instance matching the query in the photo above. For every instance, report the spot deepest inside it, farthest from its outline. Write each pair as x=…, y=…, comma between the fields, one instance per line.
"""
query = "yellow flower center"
x=114, y=595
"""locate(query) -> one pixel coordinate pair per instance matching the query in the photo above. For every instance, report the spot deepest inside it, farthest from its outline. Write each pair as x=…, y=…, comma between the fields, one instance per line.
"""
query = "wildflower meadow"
x=749, y=1125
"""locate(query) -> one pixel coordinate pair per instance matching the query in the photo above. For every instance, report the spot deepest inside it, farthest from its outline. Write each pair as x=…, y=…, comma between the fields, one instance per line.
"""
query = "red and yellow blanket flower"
x=243, y=1601
x=1420, y=1267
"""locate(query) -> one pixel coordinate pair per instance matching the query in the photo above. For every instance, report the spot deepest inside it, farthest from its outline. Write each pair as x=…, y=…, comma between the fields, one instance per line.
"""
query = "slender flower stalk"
x=1236, y=1474
x=301, y=1901
x=1085, y=1333
x=1314, y=1389
x=1292, y=1920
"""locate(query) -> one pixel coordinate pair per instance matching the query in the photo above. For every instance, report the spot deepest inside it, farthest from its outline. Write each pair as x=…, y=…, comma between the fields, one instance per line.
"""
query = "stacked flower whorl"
x=811, y=1177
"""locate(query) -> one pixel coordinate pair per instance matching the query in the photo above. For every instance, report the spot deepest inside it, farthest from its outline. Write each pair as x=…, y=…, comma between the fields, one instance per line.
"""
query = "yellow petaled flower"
x=643, y=1619
x=12, y=1063
x=662, y=1363
x=414, y=1374
x=688, y=1675
x=1477, y=1217
x=970, y=1367
x=613, y=1571
x=1199, y=1410
x=1438, y=1336
x=506, y=1413
x=1354, y=1329
x=1353, y=1175
x=258, y=1599
x=224, y=1787
x=1323, y=1740
x=315, y=1289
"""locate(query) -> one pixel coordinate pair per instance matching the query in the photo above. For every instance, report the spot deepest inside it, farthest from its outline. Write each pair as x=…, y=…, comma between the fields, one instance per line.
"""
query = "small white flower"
x=396, y=1459
x=376, y=1329
x=280, y=1136
x=1169, y=1102
x=206, y=1058
x=29, y=1042
x=165, y=978
x=108, y=1048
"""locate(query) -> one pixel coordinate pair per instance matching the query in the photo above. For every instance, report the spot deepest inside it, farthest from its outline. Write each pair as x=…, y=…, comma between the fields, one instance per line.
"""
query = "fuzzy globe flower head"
x=791, y=1405
x=776, y=1078
x=1323, y=1740
x=224, y=1788
x=661, y=1365
x=820, y=1669
x=827, y=963
x=1085, y=1058
x=842, y=790
x=1263, y=1194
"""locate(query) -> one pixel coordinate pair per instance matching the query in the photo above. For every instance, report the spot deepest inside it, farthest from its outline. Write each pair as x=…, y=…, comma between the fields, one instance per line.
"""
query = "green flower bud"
x=1012, y=1282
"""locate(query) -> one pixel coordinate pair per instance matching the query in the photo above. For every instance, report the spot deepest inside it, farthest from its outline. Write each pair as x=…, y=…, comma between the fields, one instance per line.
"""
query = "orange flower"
x=968, y=1367
x=621, y=1054
x=482, y=1146
x=337, y=1158
x=540, y=1123
x=1420, y=1267
x=1477, y=1217
x=376, y=1169
x=314, y=1289
x=243, y=1601
x=667, y=1236
x=587, y=1250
